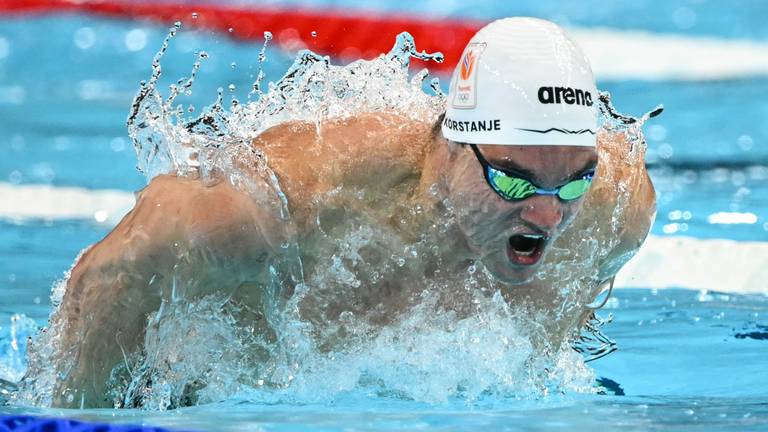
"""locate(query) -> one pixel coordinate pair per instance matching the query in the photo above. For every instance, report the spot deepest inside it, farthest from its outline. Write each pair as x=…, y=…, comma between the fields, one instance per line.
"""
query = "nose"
x=544, y=212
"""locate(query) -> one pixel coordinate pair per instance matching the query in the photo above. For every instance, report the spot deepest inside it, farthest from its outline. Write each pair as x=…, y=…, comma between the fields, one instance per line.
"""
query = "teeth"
x=532, y=236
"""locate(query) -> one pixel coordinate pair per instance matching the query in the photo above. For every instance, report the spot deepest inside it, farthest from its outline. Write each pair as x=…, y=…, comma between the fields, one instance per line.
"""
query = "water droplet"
x=267, y=36
x=233, y=65
x=231, y=87
x=194, y=15
x=231, y=30
x=314, y=33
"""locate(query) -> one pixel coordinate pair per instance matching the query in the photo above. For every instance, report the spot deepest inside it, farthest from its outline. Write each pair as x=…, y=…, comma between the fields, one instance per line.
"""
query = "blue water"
x=687, y=360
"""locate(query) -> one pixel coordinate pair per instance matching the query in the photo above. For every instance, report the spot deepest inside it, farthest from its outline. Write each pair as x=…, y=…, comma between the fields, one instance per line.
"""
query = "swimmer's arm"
x=619, y=209
x=637, y=218
x=181, y=239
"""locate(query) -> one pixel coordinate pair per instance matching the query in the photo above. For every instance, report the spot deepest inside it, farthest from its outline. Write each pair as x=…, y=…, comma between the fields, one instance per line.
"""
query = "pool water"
x=690, y=357
x=713, y=378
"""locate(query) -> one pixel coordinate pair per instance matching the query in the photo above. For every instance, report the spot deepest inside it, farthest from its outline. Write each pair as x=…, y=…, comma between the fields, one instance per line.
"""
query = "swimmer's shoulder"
x=363, y=136
x=177, y=215
x=310, y=158
x=211, y=213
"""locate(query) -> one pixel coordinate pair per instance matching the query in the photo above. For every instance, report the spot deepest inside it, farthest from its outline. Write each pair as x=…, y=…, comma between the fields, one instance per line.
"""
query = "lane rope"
x=341, y=34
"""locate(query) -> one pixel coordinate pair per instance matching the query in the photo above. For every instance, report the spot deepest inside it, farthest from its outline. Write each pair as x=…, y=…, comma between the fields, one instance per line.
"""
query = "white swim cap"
x=522, y=81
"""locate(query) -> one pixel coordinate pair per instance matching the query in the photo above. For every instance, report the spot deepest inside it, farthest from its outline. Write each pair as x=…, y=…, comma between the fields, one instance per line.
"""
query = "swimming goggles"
x=514, y=187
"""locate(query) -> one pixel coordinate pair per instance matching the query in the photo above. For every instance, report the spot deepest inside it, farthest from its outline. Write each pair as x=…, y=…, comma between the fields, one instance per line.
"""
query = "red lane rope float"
x=342, y=34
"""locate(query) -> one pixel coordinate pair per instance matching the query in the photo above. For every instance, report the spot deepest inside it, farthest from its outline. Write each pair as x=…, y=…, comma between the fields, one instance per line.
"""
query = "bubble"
x=657, y=132
x=43, y=172
x=720, y=175
x=85, y=38
x=18, y=143
x=15, y=177
x=13, y=94
x=62, y=143
x=745, y=142
x=135, y=40
x=100, y=216
x=231, y=87
x=233, y=65
x=738, y=178
x=231, y=30
x=194, y=15
x=117, y=144
x=314, y=33
x=665, y=151
x=670, y=228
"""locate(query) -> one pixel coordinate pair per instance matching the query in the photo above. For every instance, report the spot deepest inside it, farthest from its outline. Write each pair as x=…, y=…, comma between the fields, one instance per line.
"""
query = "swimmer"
x=537, y=197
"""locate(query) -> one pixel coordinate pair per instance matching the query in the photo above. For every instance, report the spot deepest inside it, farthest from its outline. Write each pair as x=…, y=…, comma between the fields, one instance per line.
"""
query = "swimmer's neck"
x=432, y=186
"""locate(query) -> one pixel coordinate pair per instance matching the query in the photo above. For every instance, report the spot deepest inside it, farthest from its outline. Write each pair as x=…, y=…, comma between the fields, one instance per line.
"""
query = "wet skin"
x=118, y=282
x=492, y=224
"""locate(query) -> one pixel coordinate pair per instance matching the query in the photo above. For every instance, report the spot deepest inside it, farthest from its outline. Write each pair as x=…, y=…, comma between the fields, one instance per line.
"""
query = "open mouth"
x=526, y=249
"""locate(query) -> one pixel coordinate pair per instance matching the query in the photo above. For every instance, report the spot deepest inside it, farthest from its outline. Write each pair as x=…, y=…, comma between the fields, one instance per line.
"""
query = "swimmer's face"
x=512, y=237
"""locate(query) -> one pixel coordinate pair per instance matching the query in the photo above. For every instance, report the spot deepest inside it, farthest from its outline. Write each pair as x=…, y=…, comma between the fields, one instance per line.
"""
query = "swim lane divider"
x=345, y=35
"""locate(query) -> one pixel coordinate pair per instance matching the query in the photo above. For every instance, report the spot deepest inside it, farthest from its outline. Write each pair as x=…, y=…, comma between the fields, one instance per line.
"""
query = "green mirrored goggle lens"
x=516, y=188
x=511, y=188
x=574, y=189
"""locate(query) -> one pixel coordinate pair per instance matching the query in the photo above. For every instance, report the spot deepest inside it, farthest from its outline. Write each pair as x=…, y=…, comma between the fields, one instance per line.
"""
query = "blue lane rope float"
x=22, y=423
